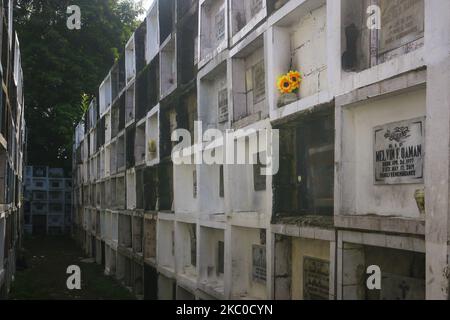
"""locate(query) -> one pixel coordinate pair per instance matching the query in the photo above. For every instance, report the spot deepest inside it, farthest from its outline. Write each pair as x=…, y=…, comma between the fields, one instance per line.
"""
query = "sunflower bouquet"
x=289, y=82
x=288, y=85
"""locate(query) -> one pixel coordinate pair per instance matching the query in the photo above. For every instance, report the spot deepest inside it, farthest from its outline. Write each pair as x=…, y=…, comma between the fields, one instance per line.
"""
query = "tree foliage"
x=61, y=66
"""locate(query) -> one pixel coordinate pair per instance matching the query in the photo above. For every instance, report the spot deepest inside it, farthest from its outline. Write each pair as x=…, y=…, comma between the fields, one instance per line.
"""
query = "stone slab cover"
x=402, y=22
x=395, y=287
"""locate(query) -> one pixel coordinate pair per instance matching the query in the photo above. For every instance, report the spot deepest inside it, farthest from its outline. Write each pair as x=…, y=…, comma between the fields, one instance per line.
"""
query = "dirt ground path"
x=44, y=277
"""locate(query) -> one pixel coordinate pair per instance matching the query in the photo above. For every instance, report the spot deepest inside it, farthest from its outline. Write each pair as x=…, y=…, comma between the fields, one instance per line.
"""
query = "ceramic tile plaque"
x=399, y=152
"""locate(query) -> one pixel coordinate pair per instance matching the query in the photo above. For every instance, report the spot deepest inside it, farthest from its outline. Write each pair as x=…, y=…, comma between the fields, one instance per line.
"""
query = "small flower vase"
x=419, y=195
x=287, y=98
x=152, y=149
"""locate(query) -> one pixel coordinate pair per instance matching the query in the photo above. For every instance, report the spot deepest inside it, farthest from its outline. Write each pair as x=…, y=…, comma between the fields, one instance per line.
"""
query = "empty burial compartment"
x=402, y=280
x=130, y=136
x=304, y=184
x=187, y=49
x=120, y=192
x=125, y=235
x=105, y=95
x=168, y=66
x=249, y=263
x=186, y=246
x=137, y=234
x=139, y=143
x=113, y=157
x=131, y=189
x=152, y=37
x=213, y=28
x=117, y=78
x=150, y=239
x=130, y=60
x=185, y=189
x=146, y=189
x=147, y=89
x=245, y=15
x=249, y=84
x=212, y=260
x=168, y=124
x=121, y=165
x=166, y=245
x=166, y=9
x=129, y=105
x=140, y=47
x=165, y=187
x=213, y=99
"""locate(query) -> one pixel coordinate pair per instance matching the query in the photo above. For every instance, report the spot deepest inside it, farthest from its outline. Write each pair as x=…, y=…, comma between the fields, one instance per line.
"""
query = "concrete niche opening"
x=302, y=269
x=149, y=240
x=213, y=28
x=187, y=49
x=139, y=143
x=166, y=9
x=249, y=263
x=249, y=84
x=152, y=38
x=245, y=15
x=117, y=78
x=402, y=31
x=129, y=105
x=213, y=99
x=168, y=66
x=187, y=250
x=304, y=186
x=402, y=280
x=166, y=245
x=130, y=60
x=298, y=41
x=212, y=261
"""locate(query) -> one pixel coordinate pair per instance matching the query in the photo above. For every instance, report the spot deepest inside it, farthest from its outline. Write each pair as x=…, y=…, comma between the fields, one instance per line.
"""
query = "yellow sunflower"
x=284, y=84
x=295, y=78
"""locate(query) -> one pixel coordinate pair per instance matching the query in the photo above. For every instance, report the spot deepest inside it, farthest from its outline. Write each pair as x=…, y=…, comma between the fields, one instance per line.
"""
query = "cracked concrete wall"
x=437, y=164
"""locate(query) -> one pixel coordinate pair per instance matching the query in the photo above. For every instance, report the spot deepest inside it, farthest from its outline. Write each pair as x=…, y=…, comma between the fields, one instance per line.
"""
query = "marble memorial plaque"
x=399, y=152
